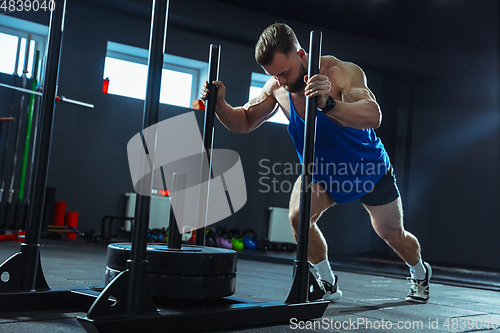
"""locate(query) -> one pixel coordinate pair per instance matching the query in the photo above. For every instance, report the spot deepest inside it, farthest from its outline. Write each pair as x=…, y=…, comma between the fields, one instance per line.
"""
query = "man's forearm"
x=233, y=118
x=362, y=114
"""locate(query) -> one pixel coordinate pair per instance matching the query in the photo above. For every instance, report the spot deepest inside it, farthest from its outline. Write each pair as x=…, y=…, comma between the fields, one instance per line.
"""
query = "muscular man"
x=350, y=160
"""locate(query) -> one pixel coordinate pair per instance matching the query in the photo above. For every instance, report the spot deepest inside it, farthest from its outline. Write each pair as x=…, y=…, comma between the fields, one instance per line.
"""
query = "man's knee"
x=294, y=217
x=392, y=236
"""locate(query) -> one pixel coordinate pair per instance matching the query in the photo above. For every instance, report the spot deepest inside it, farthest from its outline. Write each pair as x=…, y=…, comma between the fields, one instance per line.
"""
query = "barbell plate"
x=187, y=287
x=188, y=261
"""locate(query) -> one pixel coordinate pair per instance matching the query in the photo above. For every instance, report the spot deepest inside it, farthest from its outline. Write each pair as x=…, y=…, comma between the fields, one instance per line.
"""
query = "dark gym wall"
x=454, y=168
x=440, y=126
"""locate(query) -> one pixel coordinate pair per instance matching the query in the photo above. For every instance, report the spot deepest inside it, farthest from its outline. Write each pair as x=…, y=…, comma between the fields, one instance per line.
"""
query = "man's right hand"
x=221, y=91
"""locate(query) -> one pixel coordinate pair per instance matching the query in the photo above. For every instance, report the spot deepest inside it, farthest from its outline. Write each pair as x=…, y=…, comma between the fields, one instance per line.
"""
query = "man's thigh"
x=389, y=216
x=320, y=199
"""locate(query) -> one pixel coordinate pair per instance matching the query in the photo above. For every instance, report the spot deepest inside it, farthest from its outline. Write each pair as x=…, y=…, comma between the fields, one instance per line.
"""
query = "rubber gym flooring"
x=462, y=300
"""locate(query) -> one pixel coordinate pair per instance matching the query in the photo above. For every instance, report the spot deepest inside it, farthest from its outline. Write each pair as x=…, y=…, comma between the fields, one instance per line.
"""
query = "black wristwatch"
x=330, y=104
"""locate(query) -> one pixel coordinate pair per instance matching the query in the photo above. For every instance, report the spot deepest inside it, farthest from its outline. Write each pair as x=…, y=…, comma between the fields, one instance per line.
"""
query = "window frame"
x=21, y=28
x=198, y=69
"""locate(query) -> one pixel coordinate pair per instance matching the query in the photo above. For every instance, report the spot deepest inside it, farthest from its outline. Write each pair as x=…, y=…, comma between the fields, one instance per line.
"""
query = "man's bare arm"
x=358, y=107
x=243, y=119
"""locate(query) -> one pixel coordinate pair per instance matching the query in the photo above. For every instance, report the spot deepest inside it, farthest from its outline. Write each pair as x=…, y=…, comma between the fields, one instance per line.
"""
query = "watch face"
x=330, y=104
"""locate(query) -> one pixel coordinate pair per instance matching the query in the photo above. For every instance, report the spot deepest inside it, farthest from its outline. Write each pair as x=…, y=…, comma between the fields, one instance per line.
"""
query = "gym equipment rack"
x=126, y=303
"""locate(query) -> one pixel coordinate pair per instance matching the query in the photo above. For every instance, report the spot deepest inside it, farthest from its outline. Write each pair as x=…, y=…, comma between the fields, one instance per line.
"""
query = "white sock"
x=417, y=272
x=325, y=271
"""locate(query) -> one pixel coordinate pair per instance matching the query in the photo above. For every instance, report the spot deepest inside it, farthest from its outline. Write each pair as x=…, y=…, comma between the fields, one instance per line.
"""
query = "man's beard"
x=299, y=84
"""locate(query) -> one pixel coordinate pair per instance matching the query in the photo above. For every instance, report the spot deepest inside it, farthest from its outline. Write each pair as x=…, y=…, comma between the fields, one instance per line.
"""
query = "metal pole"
x=208, y=132
x=32, y=157
x=10, y=204
x=138, y=263
x=5, y=149
x=29, y=122
x=18, y=56
x=61, y=99
x=213, y=75
x=177, y=199
x=72, y=101
x=28, y=91
x=2, y=168
x=21, y=203
x=31, y=247
x=301, y=263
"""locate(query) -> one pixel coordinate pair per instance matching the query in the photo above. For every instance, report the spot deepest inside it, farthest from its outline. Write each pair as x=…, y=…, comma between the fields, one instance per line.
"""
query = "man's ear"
x=301, y=53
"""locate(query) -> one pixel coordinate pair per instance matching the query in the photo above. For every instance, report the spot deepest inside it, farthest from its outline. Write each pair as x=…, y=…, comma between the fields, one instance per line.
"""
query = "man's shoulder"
x=271, y=86
x=341, y=72
x=331, y=63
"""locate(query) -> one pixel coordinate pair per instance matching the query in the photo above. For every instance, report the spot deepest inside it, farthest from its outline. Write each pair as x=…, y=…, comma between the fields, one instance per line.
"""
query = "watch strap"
x=330, y=104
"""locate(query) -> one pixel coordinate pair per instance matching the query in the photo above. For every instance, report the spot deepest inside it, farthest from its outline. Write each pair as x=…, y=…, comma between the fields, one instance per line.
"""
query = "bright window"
x=126, y=78
x=8, y=54
x=14, y=34
x=256, y=85
x=126, y=68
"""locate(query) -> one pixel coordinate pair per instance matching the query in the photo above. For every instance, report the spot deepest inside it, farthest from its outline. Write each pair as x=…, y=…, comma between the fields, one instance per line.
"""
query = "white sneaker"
x=332, y=293
x=419, y=292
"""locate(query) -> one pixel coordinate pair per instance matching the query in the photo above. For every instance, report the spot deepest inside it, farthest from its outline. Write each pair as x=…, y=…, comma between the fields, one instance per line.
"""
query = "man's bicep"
x=357, y=89
x=354, y=94
x=260, y=108
x=259, y=102
x=264, y=106
x=265, y=103
x=266, y=98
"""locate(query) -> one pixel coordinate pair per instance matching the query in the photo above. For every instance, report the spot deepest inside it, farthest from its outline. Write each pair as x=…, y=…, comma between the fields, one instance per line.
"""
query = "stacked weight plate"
x=194, y=272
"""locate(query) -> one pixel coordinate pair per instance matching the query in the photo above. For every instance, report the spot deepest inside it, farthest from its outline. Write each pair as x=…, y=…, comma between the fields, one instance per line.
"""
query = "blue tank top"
x=348, y=162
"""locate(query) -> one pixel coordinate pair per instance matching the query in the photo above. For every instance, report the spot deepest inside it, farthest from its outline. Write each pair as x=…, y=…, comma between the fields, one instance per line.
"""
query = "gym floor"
x=373, y=293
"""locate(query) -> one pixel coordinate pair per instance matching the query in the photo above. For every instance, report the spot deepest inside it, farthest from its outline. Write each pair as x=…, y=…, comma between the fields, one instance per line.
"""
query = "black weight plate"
x=191, y=287
x=190, y=260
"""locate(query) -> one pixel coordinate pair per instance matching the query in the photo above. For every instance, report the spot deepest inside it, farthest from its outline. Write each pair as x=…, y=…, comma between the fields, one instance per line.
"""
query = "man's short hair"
x=278, y=37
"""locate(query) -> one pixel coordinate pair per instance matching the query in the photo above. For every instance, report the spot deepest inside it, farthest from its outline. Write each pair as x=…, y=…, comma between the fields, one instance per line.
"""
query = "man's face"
x=288, y=70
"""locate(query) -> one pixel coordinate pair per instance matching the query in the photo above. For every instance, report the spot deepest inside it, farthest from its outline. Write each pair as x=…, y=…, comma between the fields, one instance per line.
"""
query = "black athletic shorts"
x=384, y=192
